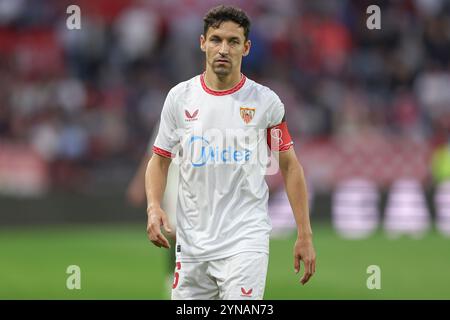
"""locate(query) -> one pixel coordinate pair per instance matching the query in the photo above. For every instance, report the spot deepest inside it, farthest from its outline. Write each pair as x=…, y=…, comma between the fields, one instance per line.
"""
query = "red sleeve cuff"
x=285, y=147
x=162, y=152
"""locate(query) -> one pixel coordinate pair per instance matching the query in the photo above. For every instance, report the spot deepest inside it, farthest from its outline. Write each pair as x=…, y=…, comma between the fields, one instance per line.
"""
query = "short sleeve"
x=166, y=139
x=278, y=137
x=276, y=110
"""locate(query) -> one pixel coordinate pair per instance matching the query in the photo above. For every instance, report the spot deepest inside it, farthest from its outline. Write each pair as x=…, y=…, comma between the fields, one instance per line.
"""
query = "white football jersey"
x=219, y=140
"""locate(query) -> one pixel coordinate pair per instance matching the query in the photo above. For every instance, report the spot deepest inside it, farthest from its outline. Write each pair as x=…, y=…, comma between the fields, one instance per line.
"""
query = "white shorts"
x=239, y=277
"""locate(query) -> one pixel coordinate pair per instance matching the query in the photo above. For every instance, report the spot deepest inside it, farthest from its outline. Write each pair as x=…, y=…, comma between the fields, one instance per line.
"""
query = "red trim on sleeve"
x=161, y=152
x=222, y=93
x=280, y=137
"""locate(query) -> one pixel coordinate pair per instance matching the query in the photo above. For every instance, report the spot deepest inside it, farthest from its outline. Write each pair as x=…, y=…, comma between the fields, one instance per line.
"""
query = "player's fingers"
x=156, y=243
x=163, y=241
x=305, y=278
x=153, y=226
x=296, y=264
x=313, y=266
x=157, y=237
x=151, y=232
x=153, y=239
x=166, y=224
x=307, y=273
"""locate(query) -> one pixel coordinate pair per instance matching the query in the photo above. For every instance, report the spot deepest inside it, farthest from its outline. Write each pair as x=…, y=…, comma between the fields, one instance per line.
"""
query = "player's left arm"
x=295, y=184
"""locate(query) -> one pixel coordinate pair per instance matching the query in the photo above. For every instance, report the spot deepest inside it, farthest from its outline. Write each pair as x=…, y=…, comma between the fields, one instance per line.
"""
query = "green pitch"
x=117, y=262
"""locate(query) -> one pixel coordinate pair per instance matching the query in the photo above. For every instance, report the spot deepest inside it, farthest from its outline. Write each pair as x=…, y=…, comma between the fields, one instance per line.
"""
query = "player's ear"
x=202, y=43
x=247, y=46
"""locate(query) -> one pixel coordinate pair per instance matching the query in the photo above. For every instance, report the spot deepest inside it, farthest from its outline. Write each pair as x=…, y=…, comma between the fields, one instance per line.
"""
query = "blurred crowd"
x=87, y=98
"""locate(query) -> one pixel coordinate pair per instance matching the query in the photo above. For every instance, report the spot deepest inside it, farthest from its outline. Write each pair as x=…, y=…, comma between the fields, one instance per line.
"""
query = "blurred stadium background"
x=369, y=111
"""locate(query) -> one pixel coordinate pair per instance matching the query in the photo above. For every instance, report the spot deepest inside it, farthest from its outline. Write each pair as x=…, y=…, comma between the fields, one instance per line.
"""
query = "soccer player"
x=211, y=125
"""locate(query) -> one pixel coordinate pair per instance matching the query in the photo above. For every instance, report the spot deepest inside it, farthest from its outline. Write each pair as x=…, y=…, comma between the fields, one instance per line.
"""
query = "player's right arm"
x=155, y=184
x=157, y=170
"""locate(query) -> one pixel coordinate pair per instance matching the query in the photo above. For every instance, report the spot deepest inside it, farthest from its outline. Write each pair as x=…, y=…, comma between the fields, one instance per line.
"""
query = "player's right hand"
x=156, y=218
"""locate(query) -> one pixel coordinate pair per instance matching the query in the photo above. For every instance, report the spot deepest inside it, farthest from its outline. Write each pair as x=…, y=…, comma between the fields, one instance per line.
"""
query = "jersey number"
x=176, y=276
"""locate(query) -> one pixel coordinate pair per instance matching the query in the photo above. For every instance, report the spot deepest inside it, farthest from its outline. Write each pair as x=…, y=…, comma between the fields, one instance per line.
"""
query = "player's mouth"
x=223, y=61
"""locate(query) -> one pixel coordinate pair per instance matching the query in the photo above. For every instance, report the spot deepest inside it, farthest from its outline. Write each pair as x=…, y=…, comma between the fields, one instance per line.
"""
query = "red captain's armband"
x=162, y=152
x=278, y=137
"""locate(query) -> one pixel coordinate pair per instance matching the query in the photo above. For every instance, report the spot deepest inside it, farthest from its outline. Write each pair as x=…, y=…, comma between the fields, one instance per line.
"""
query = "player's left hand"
x=304, y=250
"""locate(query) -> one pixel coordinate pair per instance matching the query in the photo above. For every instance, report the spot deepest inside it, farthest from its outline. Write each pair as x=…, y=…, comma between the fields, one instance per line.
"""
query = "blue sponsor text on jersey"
x=215, y=154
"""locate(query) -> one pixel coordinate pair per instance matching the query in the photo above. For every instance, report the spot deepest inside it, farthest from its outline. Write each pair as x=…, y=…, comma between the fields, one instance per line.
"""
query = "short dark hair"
x=219, y=14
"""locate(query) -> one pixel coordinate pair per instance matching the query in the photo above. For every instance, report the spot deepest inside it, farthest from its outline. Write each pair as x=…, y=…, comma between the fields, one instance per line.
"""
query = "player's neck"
x=218, y=83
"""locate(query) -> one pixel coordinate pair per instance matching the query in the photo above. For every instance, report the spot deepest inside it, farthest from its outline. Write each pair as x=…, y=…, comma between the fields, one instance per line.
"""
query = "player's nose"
x=224, y=48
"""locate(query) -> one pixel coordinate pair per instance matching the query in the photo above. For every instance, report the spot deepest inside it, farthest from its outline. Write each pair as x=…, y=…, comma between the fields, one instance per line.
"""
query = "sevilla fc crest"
x=247, y=114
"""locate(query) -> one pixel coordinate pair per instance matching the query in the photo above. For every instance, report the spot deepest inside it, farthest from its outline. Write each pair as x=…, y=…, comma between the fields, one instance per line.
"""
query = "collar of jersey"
x=224, y=92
